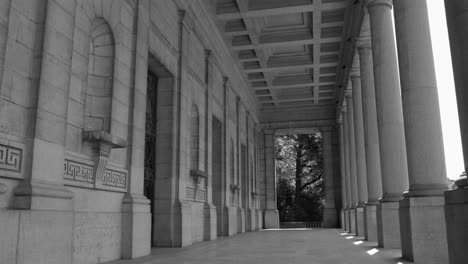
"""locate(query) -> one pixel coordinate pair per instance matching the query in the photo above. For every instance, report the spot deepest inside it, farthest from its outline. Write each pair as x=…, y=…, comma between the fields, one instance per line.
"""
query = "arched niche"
x=98, y=101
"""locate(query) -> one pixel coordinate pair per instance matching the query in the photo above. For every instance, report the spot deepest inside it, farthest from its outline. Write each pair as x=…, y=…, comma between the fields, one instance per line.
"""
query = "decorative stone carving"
x=197, y=192
x=103, y=143
x=10, y=158
x=197, y=175
x=79, y=170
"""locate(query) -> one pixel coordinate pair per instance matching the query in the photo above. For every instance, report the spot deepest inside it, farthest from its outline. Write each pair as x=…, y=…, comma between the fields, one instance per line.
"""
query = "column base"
x=38, y=195
x=360, y=221
x=240, y=220
x=271, y=219
x=136, y=226
x=329, y=218
x=456, y=215
x=347, y=220
x=175, y=234
x=371, y=222
x=342, y=219
x=423, y=243
x=388, y=222
x=209, y=212
x=260, y=219
x=352, y=220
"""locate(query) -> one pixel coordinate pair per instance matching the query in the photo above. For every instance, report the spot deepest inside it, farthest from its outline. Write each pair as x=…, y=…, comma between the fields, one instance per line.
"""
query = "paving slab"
x=277, y=246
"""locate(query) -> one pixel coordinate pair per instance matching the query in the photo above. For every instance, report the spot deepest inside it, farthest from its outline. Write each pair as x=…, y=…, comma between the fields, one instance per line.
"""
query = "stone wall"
x=73, y=75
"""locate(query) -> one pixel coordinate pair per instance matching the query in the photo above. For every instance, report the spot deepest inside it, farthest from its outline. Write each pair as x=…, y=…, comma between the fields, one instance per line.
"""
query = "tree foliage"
x=299, y=176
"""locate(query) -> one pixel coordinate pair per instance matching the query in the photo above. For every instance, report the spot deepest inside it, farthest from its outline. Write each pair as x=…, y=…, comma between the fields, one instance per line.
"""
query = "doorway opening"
x=299, y=179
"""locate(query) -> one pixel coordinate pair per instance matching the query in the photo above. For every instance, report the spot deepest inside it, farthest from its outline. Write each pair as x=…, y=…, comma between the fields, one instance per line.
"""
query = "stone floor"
x=283, y=246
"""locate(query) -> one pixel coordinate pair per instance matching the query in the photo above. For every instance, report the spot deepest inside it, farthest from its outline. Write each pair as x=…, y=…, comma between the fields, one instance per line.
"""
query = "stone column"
x=371, y=136
x=352, y=161
x=456, y=201
x=349, y=191
x=344, y=191
x=424, y=201
x=271, y=216
x=360, y=155
x=329, y=211
x=390, y=122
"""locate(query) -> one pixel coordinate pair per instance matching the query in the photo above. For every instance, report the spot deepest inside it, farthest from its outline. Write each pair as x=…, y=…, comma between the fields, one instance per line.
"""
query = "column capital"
x=348, y=93
x=225, y=81
x=363, y=44
x=339, y=120
x=355, y=73
x=387, y=3
x=207, y=54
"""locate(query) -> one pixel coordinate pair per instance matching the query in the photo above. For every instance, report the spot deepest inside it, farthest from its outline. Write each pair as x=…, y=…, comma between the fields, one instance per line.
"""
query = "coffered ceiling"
x=289, y=50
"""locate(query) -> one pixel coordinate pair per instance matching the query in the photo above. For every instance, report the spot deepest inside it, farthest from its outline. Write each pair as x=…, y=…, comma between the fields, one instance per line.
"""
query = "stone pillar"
x=329, y=211
x=271, y=216
x=349, y=190
x=374, y=177
x=390, y=122
x=424, y=202
x=456, y=201
x=344, y=191
x=360, y=155
x=136, y=216
x=352, y=161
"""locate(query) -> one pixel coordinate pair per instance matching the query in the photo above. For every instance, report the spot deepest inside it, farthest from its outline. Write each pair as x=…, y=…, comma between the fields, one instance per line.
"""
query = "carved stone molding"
x=10, y=158
x=80, y=171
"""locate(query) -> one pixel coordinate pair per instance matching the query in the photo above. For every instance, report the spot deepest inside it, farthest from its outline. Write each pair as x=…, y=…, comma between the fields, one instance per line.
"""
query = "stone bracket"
x=103, y=142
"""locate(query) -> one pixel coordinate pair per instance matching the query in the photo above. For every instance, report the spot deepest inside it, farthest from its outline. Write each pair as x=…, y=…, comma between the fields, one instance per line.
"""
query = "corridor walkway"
x=296, y=246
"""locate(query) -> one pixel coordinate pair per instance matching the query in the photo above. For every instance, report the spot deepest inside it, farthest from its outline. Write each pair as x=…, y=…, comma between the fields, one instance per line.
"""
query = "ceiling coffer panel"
x=288, y=50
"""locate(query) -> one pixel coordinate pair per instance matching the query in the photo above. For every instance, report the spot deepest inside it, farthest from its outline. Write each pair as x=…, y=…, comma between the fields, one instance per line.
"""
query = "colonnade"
x=391, y=137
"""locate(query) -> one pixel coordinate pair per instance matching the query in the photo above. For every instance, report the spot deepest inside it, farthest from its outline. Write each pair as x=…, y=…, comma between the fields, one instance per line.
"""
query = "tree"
x=299, y=170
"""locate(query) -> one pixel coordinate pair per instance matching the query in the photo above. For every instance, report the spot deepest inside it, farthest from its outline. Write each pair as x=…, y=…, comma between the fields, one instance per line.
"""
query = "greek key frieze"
x=10, y=158
x=78, y=171
x=84, y=175
x=114, y=179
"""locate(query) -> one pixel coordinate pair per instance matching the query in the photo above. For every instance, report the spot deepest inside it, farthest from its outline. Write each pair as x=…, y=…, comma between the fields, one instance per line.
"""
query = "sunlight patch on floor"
x=372, y=251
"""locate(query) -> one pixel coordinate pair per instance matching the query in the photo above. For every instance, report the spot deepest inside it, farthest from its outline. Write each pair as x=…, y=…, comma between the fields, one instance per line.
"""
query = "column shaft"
x=388, y=99
x=352, y=150
x=369, y=109
x=344, y=191
x=359, y=139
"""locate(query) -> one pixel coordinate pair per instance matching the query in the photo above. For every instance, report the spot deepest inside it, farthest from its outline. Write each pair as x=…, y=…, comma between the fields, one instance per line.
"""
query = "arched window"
x=194, y=138
x=100, y=77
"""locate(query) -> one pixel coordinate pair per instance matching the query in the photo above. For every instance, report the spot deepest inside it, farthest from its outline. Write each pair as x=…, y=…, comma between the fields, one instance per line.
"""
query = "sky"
x=446, y=88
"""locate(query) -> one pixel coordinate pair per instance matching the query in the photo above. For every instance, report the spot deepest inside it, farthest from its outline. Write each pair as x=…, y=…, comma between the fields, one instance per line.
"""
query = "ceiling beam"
x=280, y=10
